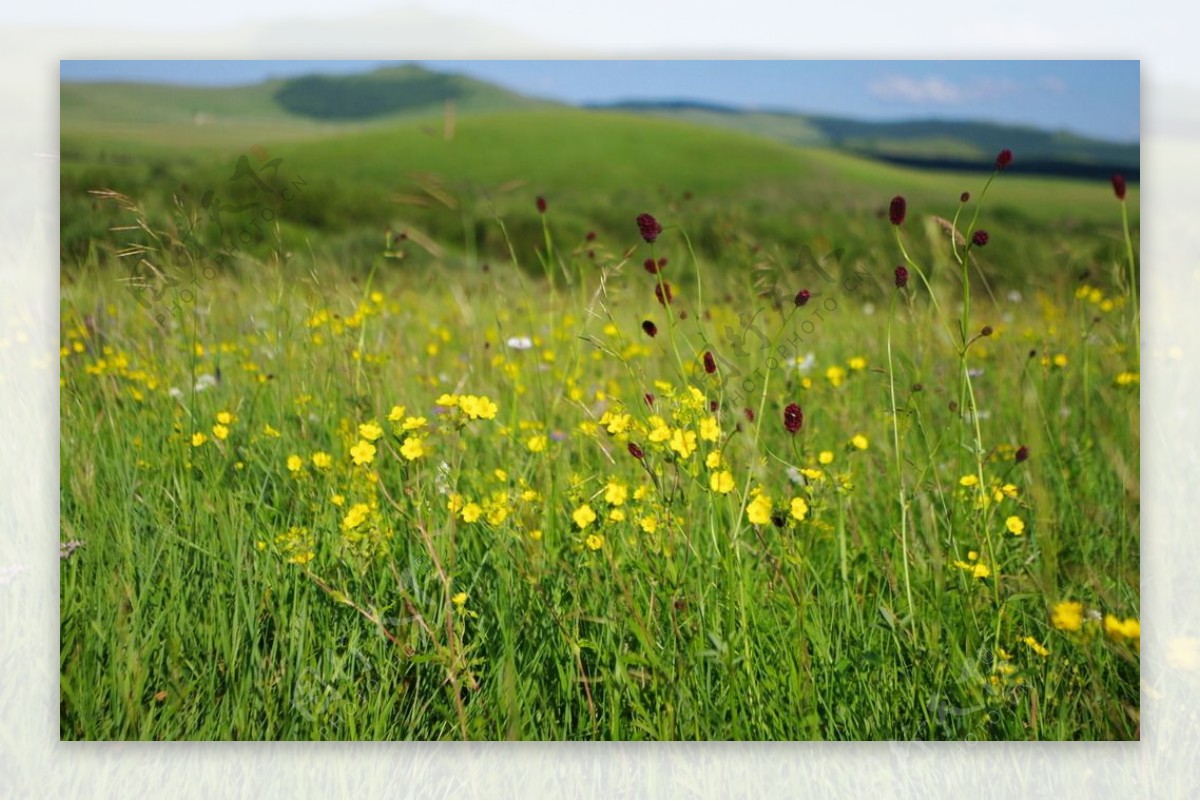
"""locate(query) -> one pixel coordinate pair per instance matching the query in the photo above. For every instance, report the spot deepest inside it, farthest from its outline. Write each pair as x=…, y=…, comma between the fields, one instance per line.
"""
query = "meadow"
x=568, y=425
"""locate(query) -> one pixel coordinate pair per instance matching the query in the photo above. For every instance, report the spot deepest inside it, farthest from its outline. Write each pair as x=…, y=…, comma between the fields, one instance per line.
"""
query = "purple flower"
x=650, y=328
x=793, y=418
x=648, y=227
x=1003, y=159
x=663, y=293
x=901, y=277
x=1118, y=182
x=897, y=210
x=802, y=297
x=980, y=238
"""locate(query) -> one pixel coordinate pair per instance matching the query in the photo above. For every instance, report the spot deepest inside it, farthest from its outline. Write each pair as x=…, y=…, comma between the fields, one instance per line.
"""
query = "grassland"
x=373, y=477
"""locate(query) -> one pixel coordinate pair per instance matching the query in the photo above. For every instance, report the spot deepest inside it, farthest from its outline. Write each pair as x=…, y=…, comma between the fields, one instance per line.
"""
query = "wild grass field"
x=567, y=425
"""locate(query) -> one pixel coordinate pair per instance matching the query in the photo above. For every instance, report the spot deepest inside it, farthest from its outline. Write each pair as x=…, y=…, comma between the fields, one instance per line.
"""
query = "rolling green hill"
x=410, y=166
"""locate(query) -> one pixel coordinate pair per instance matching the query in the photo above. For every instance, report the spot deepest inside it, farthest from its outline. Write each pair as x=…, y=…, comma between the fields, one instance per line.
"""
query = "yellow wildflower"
x=295, y=463
x=594, y=542
x=1015, y=524
x=616, y=493
x=825, y=457
x=659, y=432
x=1037, y=647
x=362, y=453
x=478, y=407
x=759, y=510
x=721, y=482
x=1067, y=616
x=471, y=512
x=583, y=516
x=799, y=508
x=413, y=448
x=224, y=418
x=859, y=441
x=1118, y=629
x=709, y=430
x=220, y=432
x=322, y=460
x=357, y=514
x=396, y=414
x=683, y=442
x=198, y=439
x=370, y=431
x=536, y=443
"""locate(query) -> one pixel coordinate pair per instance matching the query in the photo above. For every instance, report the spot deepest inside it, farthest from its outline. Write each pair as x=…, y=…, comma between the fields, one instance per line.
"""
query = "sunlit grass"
x=485, y=503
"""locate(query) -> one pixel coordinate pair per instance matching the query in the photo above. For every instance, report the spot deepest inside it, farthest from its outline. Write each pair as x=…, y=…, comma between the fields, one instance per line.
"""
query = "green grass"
x=408, y=177
x=221, y=593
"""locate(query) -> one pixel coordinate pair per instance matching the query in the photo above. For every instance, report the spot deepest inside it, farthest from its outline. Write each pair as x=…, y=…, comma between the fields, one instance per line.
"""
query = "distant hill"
x=384, y=95
x=321, y=104
x=942, y=144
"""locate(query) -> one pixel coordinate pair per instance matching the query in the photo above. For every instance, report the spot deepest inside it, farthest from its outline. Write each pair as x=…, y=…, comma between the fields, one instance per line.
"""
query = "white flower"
x=519, y=343
x=205, y=381
x=803, y=365
x=794, y=475
x=175, y=392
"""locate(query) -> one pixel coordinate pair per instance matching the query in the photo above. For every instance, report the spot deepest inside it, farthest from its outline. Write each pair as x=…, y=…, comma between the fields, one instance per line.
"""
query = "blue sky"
x=1095, y=98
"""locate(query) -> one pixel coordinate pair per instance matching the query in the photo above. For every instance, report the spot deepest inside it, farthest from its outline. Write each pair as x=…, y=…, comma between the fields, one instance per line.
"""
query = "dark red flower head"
x=901, y=277
x=1003, y=159
x=749, y=413
x=650, y=328
x=897, y=210
x=1022, y=453
x=651, y=266
x=649, y=398
x=591, y=236
x=802, y=297
x=541, y=204
x=648, y=227
x=793, y=418
x=980, y=238
x=1118, y=182
x=710, y=364
x=964, y=197
x=663, y=293
x=636, y=451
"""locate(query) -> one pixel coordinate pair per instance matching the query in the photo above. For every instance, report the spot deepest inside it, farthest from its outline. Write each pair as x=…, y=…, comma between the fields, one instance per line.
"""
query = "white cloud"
x=935, y=90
